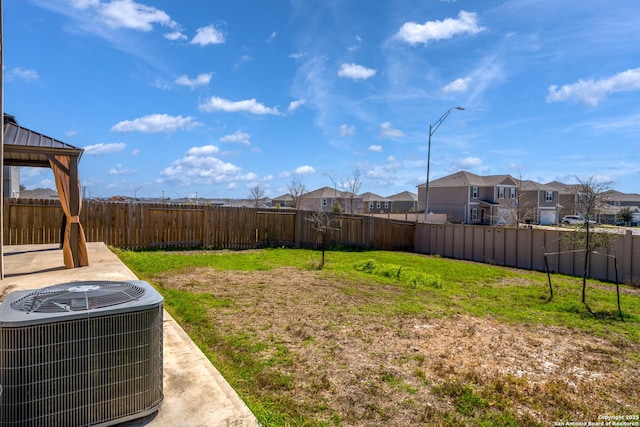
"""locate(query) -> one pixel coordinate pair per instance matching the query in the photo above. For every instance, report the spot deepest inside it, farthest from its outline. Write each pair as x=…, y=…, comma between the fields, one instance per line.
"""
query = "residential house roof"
x=325, y=192
x=468, y=179
x=285, y=197
x=561, y=187
x=405, y=196
x=528, y=185
x=368, y=197
x=39, y=193
x=617, y=196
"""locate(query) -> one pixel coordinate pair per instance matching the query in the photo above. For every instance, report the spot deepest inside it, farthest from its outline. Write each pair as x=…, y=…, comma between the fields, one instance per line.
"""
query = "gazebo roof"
x=25, y=147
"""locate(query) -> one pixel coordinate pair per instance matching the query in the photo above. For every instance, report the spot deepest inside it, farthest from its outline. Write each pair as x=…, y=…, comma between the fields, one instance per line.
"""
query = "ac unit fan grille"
x=83, y=296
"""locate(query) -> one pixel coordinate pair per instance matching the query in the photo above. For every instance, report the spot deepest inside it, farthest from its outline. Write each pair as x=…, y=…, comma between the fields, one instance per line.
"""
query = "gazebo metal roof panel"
x=25, y=147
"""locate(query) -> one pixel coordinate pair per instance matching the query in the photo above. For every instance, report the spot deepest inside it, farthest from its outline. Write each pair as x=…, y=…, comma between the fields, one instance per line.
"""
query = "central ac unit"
x=81, y=354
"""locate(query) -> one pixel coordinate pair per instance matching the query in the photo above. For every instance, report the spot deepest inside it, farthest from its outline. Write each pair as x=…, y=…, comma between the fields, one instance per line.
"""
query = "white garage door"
x=547, y=217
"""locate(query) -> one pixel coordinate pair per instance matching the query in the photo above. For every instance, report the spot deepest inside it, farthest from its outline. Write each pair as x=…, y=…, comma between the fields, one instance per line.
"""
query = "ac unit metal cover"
x=81, y=354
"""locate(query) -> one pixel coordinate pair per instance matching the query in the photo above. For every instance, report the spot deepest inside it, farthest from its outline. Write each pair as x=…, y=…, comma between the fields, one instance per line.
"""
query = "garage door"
x=547, y=217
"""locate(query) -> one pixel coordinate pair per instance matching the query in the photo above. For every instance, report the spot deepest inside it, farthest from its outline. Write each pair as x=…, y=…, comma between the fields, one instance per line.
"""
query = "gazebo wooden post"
x=74, y=209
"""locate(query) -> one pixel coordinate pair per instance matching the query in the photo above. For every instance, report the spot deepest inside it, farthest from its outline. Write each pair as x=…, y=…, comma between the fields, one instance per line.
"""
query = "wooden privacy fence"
x=146, y=225
x=525, y=247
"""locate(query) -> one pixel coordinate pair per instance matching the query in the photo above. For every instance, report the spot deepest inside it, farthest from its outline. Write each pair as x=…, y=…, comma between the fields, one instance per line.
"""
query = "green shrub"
x=416, y=280
x=367, y=266
x=424, y=280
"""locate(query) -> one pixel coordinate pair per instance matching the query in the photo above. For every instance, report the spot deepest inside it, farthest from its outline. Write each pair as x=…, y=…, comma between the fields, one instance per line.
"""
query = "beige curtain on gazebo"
x=74, y=248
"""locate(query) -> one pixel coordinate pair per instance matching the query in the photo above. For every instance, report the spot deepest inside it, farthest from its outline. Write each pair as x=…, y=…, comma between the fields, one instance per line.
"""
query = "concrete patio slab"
x=195, y=393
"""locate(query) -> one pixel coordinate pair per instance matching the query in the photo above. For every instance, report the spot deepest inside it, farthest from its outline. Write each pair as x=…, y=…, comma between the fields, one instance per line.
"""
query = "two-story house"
x=568, y=202
x=537, y=203
x=373, y=203
x=473, y=199
x=404, y=202
x=326, y=199
x=494, y=199
x=617, y=201
x=566, y=197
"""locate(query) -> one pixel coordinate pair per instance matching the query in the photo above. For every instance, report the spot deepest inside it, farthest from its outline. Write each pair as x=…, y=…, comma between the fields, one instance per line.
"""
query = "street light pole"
x=432, y=129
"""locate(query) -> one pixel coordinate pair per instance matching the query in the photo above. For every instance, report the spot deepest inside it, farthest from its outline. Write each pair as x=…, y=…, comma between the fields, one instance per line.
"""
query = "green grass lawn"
x=389, y=285
x=454, y=286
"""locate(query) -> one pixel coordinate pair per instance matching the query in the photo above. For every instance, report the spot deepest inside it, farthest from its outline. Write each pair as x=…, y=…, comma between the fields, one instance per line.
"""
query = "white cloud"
x=22, y=73
x=237, y=137
x=272, y=37
x=294, y=105
x=200, y=166
x=386, y=173
x=175, y=35
x=458, y=85
x=84, y=4
x=466, y=163
x=161, y=84
x=242, y=60
x=489, y=72
x=119, y=170
x=101, y=148
x=387, y=131
x=300, y=170
x=591, y=92
x=355, y=71
x=304, y=170
x=131, y=15
x=208, y=35
x=155, y=123
x=205, y=150
x=135, y=152
x=346, y=130
x=356, y=46
x=466, y=23
x=201, y=80
x=375, y=148
x=247, y=106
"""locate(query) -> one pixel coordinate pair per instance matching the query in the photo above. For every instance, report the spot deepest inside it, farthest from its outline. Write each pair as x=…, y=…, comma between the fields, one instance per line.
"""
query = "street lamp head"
x=460, y=108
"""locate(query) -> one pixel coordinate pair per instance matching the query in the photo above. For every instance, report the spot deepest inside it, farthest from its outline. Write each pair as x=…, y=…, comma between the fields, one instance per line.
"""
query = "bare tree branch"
x=297, y=190
x=256, y=195
x=352, y=185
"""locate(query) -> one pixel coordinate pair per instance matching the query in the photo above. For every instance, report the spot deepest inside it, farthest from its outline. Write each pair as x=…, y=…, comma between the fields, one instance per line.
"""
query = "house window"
x=386, y=205
x=500, y=192
x=324, y=202
x=512, y=193
x=548, y=196
x=370, y=205
x=474, y=214
x=474, y=192
x=378, y=205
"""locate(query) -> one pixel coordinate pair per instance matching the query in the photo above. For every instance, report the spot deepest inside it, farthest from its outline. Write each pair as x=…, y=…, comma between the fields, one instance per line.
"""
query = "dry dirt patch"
x=348, y=362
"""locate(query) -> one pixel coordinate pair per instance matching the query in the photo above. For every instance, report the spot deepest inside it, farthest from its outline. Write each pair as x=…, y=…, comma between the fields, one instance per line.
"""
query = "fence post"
x=628, y=257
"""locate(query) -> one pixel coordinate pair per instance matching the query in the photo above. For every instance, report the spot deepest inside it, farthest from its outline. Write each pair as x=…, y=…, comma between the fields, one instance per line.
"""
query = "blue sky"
x=210, y=98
